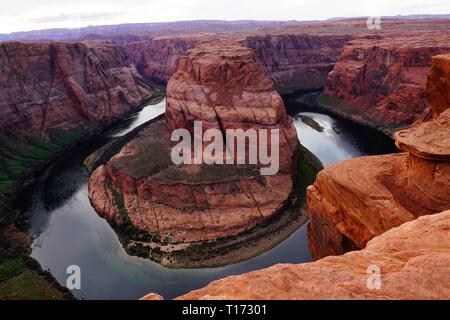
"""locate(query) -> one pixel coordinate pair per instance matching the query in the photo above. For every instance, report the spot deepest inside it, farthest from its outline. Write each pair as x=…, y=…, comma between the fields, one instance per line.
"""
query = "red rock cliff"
x=384, y=78
x=54, y=94
x=157, y=59
x=356, y=200
x=294, y=62
x=297, y=62
x=63, y=85
x=222, y=85
x=369, y=203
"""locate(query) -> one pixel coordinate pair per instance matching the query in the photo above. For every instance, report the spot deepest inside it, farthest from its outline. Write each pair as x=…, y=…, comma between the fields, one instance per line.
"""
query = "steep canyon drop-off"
x=388, y=205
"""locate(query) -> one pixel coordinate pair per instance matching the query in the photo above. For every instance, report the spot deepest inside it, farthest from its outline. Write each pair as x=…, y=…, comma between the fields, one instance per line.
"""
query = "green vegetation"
x=20, y=155
x=120, y=204
x=153, y=155
x=127, y=232
x=338, y=107
x=332, y=102
x=308, y=165
x=11, y=268
x=208, y=173
x=153, y=158
x=312, y=123
x=19, y=281
x=157, y=96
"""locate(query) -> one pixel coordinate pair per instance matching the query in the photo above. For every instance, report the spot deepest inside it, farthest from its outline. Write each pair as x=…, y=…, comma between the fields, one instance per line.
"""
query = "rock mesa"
x=221, y=84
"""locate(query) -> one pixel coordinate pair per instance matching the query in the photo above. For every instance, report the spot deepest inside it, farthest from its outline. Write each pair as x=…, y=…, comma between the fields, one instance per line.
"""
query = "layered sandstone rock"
x=413, y=261
x=430, y=140
x=222, y=85
x=64, y=85
x=293, y=61
x=297, y=62
x=383, y=79
x=438, y=84
x=356, y=200
x=157, y=59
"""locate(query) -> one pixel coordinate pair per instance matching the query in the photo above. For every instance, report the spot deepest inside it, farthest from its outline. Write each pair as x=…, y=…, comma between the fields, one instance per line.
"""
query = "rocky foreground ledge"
x=221, y=84
x=413, y=260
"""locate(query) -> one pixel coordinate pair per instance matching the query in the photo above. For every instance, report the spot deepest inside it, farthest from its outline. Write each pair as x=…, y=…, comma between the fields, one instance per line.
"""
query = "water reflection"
x=68, y=231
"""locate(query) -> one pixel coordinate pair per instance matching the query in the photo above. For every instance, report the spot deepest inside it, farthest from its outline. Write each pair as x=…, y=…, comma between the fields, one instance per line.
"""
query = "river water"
x=67, y=231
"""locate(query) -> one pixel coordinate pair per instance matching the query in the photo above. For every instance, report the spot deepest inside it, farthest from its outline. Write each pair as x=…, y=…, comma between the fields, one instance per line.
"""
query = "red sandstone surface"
x=297, y=61
x=156, y=59
x=293, y=61
x=356, y=200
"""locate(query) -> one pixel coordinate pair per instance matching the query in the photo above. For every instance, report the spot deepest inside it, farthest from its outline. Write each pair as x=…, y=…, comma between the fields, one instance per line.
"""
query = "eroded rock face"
x=294, y=62
x=384, y=78
x=356, y=200
x=430, y=140
x=413, y=261
x=157, y=59
x=63, y=85
x=52, y=95
x=222, y=85
x=297, y=62
x=438, y=84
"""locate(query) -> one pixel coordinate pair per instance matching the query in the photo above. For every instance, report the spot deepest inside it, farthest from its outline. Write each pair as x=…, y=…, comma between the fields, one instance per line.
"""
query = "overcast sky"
x=24, y=15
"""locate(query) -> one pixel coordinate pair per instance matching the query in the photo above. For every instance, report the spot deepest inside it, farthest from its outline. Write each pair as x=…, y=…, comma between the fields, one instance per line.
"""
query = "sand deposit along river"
x=67, y=231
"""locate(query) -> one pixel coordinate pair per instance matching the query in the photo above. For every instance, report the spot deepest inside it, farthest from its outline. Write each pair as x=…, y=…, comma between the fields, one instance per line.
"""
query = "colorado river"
x=67, y=231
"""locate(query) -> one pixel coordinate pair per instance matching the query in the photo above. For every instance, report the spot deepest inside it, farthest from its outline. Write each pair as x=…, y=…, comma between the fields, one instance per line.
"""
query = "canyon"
x=52, y=96
x=382, y=81
x=220, y=84
x=378, y=79
x=55, y=94
x=293, y=61
x=95, y=84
